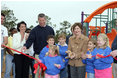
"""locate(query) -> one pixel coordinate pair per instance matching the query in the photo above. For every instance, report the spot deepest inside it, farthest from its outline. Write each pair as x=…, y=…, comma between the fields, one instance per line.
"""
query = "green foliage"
x=31, y=26
x=64, y=29
x=48, y=22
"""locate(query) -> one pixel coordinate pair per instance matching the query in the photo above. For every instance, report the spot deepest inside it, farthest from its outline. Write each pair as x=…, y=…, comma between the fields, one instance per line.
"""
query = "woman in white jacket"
x=21, y=61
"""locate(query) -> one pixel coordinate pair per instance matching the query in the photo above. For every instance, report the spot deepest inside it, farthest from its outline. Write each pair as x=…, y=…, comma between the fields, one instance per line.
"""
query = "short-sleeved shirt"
x=4, y=33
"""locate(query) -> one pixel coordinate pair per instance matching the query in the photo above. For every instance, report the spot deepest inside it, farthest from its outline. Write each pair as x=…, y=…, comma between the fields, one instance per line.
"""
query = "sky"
x=58, y=11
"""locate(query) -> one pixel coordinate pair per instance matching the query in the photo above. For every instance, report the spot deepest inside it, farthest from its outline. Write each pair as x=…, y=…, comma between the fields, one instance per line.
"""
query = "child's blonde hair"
x=54, y=48
x=105, y=38
x=62, y=36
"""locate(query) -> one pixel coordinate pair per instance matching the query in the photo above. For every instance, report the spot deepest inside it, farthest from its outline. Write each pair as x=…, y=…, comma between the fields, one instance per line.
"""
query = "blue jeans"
x=90, y=75
x=9, y=65
x=77, y=72
x=64, y=73
x=2, y=54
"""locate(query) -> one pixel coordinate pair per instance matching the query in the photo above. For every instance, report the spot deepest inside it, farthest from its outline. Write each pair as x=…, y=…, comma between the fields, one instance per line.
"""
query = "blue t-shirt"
x=89, y=63
x=103, y=63
x=43, y=52
x=62, y=52
x=49, y=63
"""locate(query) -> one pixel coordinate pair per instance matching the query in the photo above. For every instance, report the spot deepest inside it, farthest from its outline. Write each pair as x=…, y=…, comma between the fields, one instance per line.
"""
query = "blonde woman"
x=103, y=67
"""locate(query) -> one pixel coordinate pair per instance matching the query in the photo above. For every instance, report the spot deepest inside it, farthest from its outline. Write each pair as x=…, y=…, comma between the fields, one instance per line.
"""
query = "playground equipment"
x=96, y=30
x=109, y=26
x=108, y=20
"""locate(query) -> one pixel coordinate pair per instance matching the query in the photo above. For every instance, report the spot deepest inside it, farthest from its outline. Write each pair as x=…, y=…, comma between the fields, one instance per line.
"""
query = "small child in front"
x=53, y=62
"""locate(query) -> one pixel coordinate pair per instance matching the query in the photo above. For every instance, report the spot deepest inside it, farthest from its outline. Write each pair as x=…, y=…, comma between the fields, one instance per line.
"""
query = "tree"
x=10, y=19
x=31, y=26
x=64, y=29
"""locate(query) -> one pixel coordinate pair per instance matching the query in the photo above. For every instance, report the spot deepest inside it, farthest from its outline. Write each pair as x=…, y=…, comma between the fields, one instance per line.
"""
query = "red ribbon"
x=42, y=66
x=103, y=56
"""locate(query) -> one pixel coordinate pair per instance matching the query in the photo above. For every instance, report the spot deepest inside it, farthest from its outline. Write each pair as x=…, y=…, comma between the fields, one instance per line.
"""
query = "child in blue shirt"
x=88, y=59
x=103, y=67
x=50, y=41
x=62, y=51
x=53, y=62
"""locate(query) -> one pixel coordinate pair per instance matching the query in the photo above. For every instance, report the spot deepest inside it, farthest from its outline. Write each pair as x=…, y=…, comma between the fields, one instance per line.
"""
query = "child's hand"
x=89, y=56
x=63, y=60
x=97, y=57
x=46, y=54
x=57, y=65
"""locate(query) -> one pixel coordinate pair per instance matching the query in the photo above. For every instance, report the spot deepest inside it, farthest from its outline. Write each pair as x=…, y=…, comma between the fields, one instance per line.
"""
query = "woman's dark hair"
x=77, y=24
x=27, y=30
x=19, y=24
x=3, y=14
x=12, y=29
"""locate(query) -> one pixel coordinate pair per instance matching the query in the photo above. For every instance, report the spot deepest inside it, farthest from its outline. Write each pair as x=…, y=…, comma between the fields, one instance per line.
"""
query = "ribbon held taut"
x=42, y=66
x=101, y=56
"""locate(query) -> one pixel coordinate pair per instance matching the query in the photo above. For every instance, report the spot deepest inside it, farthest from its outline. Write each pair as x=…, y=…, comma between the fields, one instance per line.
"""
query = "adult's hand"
x=2, y=45
x=23, y=49
x=73, y=56
x=114, y=53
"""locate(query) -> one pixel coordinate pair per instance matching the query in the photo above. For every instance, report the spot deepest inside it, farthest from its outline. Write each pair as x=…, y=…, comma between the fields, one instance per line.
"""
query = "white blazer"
x=17, y=43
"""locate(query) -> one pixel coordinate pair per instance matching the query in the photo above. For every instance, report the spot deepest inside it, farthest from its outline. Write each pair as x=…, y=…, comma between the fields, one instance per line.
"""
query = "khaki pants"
x=37, y=74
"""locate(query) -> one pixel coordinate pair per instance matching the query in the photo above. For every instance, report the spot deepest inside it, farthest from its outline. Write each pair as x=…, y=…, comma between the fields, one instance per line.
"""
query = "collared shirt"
x=42, y=26
x=62, y=52
x=77, y=46
x=63, y=45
